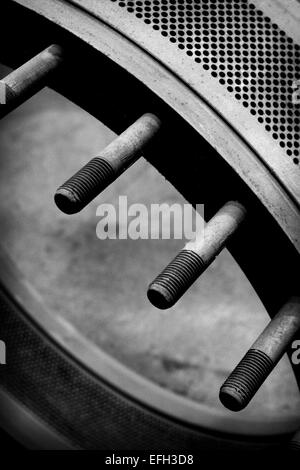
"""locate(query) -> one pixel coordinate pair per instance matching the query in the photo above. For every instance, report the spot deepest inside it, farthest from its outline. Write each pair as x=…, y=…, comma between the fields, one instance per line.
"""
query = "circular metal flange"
x=273, y=188
x=228, y=115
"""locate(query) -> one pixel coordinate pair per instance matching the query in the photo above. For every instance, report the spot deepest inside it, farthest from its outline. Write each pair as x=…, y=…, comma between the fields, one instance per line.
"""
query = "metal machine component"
x=101, y=171
x=222, y=74
x=262, y=357
x=29, y=78
x=238, y=61
x=295, y=442
x=196, y=256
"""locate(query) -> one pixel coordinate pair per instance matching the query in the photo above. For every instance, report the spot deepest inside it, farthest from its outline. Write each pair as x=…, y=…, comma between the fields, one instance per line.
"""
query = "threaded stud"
x=294, y=443
x=96, y=175
x=262, y=357
x=84, y=186
x=196, y=256
x=245, y=380
x=29, y=78
x=176, y=278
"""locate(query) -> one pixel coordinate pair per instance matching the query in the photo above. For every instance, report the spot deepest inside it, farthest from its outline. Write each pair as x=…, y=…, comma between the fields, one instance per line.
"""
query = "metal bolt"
x=101, y=171
x=262, y=357
x=28, y=79
x=195, y=257
x=294, y=444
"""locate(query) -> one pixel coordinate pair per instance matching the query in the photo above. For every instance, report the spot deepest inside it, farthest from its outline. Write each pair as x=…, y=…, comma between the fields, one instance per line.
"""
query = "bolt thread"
x=294, y=445
x=245, y=380
x=175, y=279
x=84, y=186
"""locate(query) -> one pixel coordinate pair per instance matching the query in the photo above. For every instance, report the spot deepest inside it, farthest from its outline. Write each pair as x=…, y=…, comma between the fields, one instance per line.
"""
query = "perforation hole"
x=234, y=41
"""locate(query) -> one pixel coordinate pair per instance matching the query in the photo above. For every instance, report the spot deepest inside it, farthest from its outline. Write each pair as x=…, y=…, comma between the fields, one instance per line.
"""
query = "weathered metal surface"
x=196, y=256
x=144, y=391
x=101, y=171
x=28, y=79
x=210, y=109
x=260, y=360
x=262, y=244
x=295, y=442
x=201, y=98
x=272, y=180
x=234, y=57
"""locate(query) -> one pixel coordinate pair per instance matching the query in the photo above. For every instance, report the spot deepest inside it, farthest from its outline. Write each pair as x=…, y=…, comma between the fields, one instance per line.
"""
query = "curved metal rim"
x=63, y=332
x=181, y=98
x=124, y=379
x=201, y=82
x=29, y=431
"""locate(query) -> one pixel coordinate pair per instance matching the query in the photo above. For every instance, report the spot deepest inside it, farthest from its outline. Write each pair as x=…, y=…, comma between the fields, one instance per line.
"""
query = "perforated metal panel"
x=249, y=55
